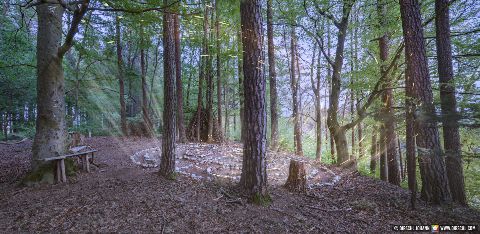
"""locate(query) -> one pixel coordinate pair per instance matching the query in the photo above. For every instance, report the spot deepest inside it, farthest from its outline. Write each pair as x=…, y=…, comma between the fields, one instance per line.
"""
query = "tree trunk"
x=383, y=155
x=332, y=121
x=50, y=132
x=297, y=177
x=219, y=77
x=167, y=164
x=202, y=72
x=209, y=93
x=410, y=147
x=451, y=135
x=254, y=174
x=273, y=79
x=294, y=85
x=179, y=84
x=328, y=133
x=434, y=179
x=146, y=115
x=387, y=99
x=402, y=171
x=318, y=111
x=240, y=87
x=123, y=113
x=373, y=152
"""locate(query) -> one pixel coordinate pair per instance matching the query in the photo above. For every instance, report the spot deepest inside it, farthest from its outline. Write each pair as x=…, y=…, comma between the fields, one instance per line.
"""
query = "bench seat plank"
x=69, y=155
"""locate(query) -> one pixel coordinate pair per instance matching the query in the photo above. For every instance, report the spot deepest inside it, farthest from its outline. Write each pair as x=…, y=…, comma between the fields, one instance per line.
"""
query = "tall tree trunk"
x=387, y=99
x=373, y=152
x=219, y=77
x=328, y=133
x=294, y=85
x=240, y=87
x=203, y=63
x=146, y=115
x=76, y=90
x=360, y=135
x=273, y=79
x=254, y=168
x=435, y=186
x=332, y=122
x=352, y=94
x=178, y=75
x=451, y=135
x=50, y=135
x=209, y=93
x=226, y=101
x=167, y=164
x=318, y=111
x=402, y=171
x=50, y=132
x=410, y=146
x=360, y=125
x=383, y=154
x=123, y=113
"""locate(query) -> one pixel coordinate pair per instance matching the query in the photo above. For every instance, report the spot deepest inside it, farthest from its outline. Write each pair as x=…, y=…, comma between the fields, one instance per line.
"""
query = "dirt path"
x=123, y=196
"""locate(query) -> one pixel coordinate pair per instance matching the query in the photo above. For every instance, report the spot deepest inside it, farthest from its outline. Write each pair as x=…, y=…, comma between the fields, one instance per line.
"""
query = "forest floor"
x=125, y=194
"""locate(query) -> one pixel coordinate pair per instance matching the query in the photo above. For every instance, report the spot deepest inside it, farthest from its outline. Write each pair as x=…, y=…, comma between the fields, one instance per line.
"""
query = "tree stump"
x=297, y=177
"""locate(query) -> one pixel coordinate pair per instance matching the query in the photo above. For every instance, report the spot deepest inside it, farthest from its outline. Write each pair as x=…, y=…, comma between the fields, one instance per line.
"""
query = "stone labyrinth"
x=224, y=162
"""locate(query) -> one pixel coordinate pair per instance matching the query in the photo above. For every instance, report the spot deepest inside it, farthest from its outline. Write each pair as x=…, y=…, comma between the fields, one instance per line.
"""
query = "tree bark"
x=167, y=163
x=179, y=84
x=435, y=188
x=373, y=152
x=387, y=99
x=146, y=116
x=254, y=174
x=383, y=154
x=294, y=85
x=240, y=85
x=123, y=113
x=219, y=77
x=50, y=132
x=332, y=121
x=317, y=102
x=209, y=93
x=272, y=78
x=451, y=135
x=203, y=63
x=410, y=147
x=297, y=177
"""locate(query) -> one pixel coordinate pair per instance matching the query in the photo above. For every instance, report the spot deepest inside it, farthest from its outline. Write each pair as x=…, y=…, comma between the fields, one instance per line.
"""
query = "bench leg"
x=87, y=163
x=82, y=158
x=62, y=168
x=59, y=171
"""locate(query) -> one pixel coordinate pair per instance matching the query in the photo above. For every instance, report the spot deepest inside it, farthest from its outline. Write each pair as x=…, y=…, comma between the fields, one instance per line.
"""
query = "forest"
x=222, y=116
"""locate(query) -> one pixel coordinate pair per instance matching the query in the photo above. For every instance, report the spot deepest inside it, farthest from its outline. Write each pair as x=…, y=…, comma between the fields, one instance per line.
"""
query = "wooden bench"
x=60, y=163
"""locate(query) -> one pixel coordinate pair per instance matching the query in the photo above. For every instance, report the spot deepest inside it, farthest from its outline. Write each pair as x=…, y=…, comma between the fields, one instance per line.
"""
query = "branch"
x=325, y=14
x=18, y=65
x=376, y=91
x=77, y=18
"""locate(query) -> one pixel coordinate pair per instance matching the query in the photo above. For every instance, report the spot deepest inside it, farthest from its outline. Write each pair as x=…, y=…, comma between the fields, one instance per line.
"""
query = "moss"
x=43, y=174
x=263, y=200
